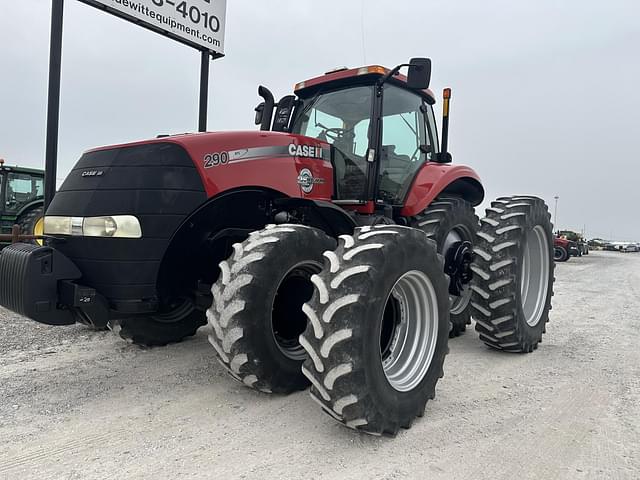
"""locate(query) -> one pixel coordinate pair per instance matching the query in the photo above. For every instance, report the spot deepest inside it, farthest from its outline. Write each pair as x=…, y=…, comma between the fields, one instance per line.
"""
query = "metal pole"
x=555, y=213
x=53, y=105
x=204, y=91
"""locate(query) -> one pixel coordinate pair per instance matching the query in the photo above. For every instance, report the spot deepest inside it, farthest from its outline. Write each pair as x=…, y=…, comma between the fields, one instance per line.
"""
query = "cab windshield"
x=341, y=118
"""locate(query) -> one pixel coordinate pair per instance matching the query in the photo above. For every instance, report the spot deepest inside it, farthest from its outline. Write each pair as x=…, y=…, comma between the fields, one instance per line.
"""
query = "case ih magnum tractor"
x=337, y=247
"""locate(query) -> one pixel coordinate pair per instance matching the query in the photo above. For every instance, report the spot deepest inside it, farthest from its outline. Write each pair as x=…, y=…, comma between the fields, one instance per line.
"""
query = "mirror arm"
x=391, y=73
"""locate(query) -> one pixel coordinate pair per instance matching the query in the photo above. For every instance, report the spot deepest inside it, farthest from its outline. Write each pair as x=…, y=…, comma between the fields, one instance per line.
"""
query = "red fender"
x=434, y=178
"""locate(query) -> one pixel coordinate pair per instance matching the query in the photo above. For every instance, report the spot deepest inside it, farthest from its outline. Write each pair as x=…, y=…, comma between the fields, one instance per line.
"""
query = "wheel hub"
x=458, y=260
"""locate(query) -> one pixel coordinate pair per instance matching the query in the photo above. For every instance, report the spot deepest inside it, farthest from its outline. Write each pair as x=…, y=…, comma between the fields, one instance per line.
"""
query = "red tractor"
x=337, y=247
x=562, y=249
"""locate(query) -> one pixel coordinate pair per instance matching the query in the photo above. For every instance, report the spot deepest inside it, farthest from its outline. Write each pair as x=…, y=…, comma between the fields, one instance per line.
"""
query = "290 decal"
x=214, y=159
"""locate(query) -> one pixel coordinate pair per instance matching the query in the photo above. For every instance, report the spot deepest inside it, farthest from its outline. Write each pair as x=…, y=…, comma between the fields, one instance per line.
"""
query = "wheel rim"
x=557, y=253
x=409, y=331
x=457, y=303
x=288, y=321
x=534, y=281
x=175, y=311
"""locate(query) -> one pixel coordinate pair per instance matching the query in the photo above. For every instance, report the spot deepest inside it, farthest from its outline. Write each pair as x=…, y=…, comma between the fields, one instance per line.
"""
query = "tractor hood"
x=286, y=155
x=161, y=182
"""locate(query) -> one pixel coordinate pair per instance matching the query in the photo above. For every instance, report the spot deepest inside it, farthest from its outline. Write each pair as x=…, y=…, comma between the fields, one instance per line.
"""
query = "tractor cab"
x=379, y=123
x=21, y=190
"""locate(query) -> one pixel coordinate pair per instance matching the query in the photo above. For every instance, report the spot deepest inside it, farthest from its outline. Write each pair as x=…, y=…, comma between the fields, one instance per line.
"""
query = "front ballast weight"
x=40, y=283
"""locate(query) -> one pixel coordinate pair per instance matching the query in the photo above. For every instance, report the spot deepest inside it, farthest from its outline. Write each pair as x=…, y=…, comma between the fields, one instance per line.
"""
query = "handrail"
x=16, y=236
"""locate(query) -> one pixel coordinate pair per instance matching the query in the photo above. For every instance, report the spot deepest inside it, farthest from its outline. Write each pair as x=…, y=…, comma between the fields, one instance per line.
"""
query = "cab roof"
x=346, y=75
x=16, y=169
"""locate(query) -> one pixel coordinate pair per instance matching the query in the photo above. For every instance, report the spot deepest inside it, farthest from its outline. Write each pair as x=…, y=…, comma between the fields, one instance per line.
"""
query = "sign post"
x=53, y=103
x=197, y=23
x=204, y=91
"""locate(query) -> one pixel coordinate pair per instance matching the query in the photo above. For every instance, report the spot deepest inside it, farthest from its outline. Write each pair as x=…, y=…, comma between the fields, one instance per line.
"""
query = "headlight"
x=115, y=226
x=57, y=225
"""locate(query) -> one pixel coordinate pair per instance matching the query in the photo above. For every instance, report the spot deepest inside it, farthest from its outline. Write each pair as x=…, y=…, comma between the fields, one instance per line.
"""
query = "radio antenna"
x=364, y=49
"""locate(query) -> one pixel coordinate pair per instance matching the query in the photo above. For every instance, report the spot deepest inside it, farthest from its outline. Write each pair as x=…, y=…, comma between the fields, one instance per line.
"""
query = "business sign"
x=198, y=23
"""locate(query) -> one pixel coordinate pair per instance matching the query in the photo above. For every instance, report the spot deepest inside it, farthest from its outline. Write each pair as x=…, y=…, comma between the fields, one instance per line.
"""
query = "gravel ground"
x=82, y=404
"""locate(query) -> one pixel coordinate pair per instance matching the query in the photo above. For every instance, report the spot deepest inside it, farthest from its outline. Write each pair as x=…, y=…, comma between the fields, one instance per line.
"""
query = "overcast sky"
x=546, y=93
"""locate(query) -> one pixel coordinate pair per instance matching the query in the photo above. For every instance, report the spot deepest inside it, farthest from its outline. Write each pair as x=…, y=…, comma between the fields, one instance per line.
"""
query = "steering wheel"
x=334, y=133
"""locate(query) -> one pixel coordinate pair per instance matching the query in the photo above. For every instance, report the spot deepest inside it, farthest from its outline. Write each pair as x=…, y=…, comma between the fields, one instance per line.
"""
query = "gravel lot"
x=83, y=404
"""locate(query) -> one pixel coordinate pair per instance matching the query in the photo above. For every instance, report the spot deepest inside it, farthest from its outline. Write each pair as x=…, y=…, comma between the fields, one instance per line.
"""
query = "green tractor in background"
x=22, y=196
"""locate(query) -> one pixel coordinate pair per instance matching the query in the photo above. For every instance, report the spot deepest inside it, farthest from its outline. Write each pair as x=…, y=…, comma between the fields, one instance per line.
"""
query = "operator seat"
x=350, y=170
x=394, y=166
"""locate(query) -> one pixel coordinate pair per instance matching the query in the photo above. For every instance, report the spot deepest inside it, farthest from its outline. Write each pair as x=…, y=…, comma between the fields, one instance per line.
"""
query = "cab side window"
x=22, y=188
x=432, y=131
x=404, y=142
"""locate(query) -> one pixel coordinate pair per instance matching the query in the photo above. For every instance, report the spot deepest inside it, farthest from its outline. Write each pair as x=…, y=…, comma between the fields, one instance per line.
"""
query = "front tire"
x=160, y=329
x=256, y=316
x=513, y=285
x=378, y=328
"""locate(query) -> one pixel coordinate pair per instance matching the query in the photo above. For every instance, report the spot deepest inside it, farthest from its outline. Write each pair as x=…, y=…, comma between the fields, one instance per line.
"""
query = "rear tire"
x=256, y=318
x=513, y=285
x=31, y=223
x=378, y=328
x=160, y=329
x=446, y=221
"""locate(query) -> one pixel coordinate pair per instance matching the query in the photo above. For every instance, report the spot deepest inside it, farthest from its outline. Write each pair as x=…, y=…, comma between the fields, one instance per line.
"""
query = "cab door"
x=406, y=144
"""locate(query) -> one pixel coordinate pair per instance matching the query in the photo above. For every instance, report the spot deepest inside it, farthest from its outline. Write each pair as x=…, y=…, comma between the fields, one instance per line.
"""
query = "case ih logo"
x=306, y=180
x=92, y=173
x=308, y=151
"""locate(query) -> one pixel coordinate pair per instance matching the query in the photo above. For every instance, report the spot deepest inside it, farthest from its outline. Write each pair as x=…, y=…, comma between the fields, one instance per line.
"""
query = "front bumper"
x=40, y=283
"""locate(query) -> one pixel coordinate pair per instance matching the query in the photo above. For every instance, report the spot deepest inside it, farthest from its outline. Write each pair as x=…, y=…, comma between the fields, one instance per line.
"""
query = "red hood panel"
x=228, y=160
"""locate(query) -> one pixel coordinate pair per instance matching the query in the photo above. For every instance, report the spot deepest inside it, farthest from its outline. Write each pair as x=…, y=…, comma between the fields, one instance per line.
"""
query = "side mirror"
x=284, y=109
x=259, y=113
x=419, y=75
